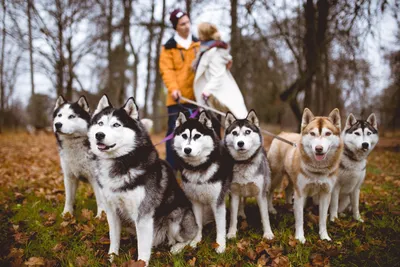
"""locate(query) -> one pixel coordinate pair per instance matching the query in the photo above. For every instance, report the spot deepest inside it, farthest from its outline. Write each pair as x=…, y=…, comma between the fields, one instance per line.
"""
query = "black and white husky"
x=206, y=171
x=251, y=173
x=70, y=125
x=136, y=184
x=360, y=138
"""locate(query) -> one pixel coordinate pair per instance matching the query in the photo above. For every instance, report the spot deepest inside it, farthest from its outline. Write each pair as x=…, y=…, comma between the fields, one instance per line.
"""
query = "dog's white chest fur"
x=244, y=174
x=351, y=177
x=76, y=159
x=197, y=188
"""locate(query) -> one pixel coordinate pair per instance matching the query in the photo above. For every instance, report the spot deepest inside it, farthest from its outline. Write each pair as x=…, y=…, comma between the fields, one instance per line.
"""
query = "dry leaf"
x=192, y=262
x=35, y=261
x=82, y=261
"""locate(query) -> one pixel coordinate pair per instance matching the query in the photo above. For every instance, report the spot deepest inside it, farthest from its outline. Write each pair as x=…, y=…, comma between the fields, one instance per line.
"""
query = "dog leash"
x=223, y=114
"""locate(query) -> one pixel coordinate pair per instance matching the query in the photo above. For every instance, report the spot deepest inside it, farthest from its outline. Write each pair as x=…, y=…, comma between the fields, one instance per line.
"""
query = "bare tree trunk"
x=158, y=80
x=2, y=89
x=60, y=61
x=235, y=37
x=125, y=35
x=310, y=50
x=149, y=61
x=109, y=43
x=70, y=70
x=30, y=46
x=134, y=66
x=188, y=7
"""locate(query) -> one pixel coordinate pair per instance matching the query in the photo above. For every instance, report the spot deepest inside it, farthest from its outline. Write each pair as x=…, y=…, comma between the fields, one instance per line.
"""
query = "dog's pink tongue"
x=319, y=157
x=101, y=146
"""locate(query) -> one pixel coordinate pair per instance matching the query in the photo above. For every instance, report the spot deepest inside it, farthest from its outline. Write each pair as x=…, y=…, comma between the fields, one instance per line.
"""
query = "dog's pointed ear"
x=372, y=120
x=180, y=120
x=131, y=108
x=82, y=102
x=308, y=116
x=334, y=116
x=205, y=120
x=252, y=117
x=60, y=100
x=229, y=119
x=103, y=103
x=350, y=121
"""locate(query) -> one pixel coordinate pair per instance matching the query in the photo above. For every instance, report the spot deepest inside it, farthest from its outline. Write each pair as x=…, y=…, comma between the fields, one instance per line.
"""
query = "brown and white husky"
x=311, y=166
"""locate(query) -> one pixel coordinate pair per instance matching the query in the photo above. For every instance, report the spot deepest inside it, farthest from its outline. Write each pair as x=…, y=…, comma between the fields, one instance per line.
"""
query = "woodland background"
x=287, y=55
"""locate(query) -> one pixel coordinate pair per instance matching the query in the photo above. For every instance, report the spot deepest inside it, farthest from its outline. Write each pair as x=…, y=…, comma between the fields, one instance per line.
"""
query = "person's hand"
x=176, y=94
x=205, y=94
x=229, y=65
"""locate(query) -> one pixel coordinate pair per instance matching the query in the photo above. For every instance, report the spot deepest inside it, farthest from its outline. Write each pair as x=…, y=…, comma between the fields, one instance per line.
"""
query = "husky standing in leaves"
x=360, y=138
x=70, y=125
x=137, y=185
x=206, y=171
x=251, y=174
x=312, y=166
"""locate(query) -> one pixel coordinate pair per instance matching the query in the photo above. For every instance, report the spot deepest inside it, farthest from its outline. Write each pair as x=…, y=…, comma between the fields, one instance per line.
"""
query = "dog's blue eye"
x=184, y=136
x=196, y=136
x=369, y=133
x=116, y=125
x=71, y=116
x=247, y=132
x=357, y=134
x=100, y=123
x=235, y=133
x=59, y=115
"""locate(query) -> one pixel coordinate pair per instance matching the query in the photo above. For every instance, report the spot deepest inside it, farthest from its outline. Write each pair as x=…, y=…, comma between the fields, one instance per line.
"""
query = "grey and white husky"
x=206, y=171
x=360, y=138
x=70, y=125
x=136, y=184
x=251, y=173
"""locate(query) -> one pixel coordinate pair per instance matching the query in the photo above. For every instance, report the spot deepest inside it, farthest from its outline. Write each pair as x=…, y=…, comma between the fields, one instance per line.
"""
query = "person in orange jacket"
x=176, y=58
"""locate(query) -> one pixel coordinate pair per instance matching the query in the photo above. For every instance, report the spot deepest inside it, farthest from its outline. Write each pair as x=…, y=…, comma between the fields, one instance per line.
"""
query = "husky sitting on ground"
x=311, y=166
x=70, y=124
x=206, y=171
x=360, y=138
x=137, y=185
x=251, y=174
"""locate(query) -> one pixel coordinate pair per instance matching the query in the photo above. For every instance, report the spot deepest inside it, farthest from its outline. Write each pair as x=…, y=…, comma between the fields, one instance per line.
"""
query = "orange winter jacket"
x=176, y=68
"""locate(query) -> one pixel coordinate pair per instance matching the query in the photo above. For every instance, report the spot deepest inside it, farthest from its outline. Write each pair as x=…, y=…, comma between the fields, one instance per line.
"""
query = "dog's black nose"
x=187, y=150
x=319, y=149
x=58, y=125
x=240, y=144
x=100, y=136
x=365, y=145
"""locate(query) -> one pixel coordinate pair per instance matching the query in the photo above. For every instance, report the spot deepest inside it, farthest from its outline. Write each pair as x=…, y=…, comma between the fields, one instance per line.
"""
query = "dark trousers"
x=174, y=111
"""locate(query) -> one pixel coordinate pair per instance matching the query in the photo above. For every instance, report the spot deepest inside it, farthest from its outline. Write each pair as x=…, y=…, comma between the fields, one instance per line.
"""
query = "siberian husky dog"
x=136, y=184
x=360, y=138
x=70, y=125
x=206, y=171
x=311, y=166
x=251, y=174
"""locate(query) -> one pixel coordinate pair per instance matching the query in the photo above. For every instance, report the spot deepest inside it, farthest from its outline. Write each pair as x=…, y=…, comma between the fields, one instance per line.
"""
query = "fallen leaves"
x=35, y=261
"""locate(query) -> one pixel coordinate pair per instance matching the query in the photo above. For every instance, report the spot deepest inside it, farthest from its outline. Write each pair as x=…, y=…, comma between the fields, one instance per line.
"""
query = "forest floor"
x=33, y=233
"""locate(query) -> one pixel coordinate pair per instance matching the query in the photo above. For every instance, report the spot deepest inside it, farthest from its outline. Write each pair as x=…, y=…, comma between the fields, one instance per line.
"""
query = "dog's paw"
x=325, y=236
x=301, y=239
x=333, y=218
x=272, y=210
x=194, y=242
x=231, y=235
x=177, y=248
x=268, y=236
x=111, y=257
x=359, y=219
x=67, y=213
x=220, y=249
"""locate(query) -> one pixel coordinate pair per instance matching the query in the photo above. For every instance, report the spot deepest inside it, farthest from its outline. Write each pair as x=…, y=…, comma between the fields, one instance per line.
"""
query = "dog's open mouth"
x=320, y=156
x=103, y=147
